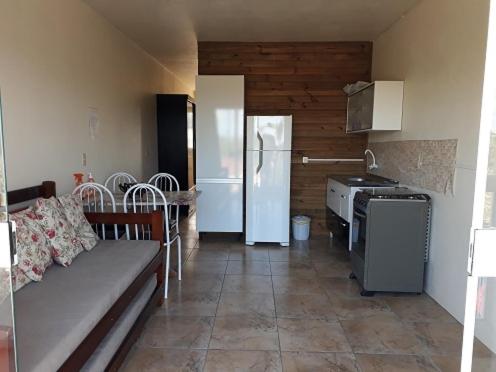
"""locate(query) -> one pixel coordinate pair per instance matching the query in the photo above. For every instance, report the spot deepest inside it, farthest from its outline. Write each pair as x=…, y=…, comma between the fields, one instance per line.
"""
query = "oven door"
x=359, y=233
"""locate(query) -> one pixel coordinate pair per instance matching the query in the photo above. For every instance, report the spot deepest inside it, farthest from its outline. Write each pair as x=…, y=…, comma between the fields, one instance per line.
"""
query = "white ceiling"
x=170, y=29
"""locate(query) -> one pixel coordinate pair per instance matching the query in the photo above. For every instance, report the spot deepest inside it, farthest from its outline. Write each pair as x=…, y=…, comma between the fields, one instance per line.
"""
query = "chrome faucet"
x=373, y=165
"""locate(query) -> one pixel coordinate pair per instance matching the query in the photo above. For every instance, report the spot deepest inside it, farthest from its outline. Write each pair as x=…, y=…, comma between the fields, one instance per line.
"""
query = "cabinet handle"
x=343, y=196
x=359, y=214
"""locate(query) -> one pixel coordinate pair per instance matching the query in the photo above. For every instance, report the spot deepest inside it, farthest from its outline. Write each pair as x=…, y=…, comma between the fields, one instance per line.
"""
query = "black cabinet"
x=176, y=138
x=338, y=226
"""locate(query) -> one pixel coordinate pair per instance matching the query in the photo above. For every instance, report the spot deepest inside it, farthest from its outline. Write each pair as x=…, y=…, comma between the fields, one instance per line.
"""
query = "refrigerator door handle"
x=260, y=152
x=260, y=160
x=260, y=140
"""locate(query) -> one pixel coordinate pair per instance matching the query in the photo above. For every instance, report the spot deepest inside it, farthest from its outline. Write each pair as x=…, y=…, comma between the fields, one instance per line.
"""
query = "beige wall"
x=58, y=58
x=438, y=48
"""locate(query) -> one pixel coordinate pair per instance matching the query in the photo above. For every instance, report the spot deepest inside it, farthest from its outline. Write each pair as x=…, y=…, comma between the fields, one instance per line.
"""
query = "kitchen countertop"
x=370, y=180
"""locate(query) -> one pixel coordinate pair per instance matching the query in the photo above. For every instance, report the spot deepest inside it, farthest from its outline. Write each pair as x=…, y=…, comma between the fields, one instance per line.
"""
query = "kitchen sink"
x=367, y=180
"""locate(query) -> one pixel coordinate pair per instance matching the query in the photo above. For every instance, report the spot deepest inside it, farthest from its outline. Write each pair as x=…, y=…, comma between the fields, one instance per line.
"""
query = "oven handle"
x=359, y=214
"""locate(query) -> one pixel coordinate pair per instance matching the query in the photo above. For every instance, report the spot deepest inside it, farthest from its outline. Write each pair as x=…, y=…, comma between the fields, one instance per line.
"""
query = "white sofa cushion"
x=55, y=315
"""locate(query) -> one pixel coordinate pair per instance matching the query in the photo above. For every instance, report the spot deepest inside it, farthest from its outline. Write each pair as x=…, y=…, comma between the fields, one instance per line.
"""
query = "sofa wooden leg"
x=160, y=301
x=160, y=281
x=160, y=284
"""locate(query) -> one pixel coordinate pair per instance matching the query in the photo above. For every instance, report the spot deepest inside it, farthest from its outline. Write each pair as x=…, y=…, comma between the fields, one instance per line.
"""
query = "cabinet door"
x=268, y=133
x=219, y=126
x=219, y=208
x=333, y=201
x=338, y=199
x=190, y=117
x=267, y=196
x=360, y=110
x=172, y=137
x=344, y=206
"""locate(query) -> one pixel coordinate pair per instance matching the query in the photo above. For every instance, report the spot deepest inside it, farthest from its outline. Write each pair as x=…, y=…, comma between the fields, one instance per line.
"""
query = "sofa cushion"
x=73, y=209
x=33, y=250
x=57, y=229
x=55, y=315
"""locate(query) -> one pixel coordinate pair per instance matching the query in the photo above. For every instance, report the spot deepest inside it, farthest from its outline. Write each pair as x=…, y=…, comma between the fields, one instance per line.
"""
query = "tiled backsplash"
x=427, y=164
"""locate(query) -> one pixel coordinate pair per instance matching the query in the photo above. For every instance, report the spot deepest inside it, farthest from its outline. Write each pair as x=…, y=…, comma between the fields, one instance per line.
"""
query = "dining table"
x=175, y=198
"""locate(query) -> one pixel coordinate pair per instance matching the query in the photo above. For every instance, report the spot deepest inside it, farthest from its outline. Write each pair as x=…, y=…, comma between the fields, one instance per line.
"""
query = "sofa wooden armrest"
x=46, y=190
x=154, y=219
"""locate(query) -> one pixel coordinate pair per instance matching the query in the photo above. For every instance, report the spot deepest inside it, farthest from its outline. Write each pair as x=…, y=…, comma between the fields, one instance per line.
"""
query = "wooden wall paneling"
x=304, y=80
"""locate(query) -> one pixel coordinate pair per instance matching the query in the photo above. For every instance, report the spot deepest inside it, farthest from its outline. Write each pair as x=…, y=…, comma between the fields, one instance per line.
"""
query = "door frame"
x=481, y=250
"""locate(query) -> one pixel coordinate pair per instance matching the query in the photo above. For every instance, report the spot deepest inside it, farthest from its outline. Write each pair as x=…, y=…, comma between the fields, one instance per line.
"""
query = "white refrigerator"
x=268, y=168
x=219, y=153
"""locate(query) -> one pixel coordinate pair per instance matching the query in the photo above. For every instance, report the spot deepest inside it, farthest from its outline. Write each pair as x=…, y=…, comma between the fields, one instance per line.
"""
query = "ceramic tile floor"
x=268, y=308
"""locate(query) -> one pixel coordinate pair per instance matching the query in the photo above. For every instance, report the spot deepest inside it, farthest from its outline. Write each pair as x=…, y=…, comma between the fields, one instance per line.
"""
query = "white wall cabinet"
x=376, y=107
x=219, y=153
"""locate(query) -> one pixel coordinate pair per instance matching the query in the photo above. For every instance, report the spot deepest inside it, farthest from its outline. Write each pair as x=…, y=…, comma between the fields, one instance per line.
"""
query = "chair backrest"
x=145, y=198
x=164, y=182
x=97, y=198
x=113, y=181
x=167, y=182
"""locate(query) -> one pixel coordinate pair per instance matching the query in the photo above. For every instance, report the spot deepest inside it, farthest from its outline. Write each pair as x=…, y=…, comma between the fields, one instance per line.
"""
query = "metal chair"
x=145, y=198
x=113, y=181
x=97, y=198
x=167, y=182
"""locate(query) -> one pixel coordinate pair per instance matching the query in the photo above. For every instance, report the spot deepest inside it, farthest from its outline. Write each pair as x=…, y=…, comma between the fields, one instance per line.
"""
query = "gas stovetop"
x=397, y=193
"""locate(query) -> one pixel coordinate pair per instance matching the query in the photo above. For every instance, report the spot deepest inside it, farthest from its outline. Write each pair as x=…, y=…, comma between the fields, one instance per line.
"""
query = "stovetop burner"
x=397, y=193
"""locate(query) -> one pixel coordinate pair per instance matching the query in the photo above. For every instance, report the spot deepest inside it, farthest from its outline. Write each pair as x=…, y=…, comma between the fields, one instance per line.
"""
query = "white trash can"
x=301, y=227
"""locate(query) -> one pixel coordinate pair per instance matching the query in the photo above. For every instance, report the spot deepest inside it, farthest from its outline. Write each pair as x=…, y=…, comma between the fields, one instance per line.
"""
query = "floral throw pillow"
x=57, y=229
x=33, y=250
x=73, y=208
x=19, y=279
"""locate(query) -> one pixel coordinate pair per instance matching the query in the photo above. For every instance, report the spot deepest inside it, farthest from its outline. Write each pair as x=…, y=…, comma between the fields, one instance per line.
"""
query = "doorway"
x=480, y=308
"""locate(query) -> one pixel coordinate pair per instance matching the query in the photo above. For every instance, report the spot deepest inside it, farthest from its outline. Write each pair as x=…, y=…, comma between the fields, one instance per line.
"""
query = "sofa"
x=86, y=316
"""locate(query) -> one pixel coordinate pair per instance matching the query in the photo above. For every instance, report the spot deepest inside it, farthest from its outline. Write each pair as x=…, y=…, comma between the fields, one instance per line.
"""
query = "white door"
x=480, y=307
x=219, y=126
x=219, y=206
x=267, y=196
x=268, y=132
